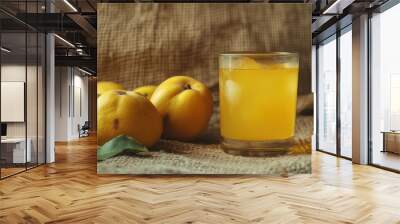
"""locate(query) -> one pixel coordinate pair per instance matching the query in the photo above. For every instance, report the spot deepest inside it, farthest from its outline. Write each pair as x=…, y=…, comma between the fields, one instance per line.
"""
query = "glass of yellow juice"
x=258, y=95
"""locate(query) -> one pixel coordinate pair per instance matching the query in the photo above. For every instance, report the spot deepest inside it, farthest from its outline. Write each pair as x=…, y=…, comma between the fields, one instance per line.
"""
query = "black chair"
x=84, y=130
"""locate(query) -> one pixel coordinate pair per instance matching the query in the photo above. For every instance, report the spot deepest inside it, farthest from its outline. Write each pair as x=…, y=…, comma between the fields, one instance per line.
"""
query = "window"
x=326, y=97
x=333, y=106
x=346, y=92
x=385, y=89
x=394, y=102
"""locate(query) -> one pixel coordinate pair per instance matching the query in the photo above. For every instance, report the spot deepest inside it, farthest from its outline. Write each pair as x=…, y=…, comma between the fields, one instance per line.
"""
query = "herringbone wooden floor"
x=70, y=191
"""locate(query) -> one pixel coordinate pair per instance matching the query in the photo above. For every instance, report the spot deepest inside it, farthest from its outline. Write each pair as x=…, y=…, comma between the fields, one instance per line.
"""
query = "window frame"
x=378, y=10
x=347, y=27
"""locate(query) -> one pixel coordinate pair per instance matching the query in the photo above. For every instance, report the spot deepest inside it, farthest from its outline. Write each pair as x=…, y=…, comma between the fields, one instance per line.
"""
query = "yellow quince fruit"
x=185, y=105
x=127, y=113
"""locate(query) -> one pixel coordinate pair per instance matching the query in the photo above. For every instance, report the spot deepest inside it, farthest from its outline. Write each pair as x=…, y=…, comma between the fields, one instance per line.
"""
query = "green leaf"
x=118, y=145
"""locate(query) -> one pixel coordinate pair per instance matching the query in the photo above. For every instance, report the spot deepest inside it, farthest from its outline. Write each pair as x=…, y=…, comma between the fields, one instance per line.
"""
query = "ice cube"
x=247, y=63
x=232, y=91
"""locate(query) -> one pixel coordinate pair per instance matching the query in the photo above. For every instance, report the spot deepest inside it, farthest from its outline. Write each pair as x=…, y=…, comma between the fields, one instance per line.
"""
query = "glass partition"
x=22, y=88
x=41, y=97
x=31, y=97
x=13, y=92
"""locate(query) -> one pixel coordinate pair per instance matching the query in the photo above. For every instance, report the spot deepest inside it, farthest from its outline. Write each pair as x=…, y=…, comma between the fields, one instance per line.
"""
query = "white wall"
x=61, y=103
x=16, y=73
x=70, y=83
x=12, y=73
x=81, y=81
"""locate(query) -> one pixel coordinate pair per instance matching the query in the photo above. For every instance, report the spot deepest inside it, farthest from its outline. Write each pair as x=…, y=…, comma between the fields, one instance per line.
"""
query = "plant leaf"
x=118, y=145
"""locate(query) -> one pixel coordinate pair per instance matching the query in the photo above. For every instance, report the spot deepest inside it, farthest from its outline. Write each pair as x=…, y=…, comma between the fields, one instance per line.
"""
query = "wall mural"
x=204, y=89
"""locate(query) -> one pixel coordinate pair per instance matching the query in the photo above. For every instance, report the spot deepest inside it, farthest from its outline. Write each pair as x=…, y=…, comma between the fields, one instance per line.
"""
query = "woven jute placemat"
x=206, y=157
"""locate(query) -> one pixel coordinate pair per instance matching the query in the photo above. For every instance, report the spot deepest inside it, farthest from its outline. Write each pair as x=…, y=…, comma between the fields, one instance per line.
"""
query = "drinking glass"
x=258, y=94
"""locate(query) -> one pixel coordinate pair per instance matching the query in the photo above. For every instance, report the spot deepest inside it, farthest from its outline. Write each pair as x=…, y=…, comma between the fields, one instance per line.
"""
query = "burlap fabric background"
x=141, y=44
x=146, y=43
